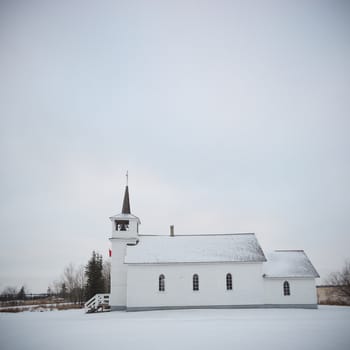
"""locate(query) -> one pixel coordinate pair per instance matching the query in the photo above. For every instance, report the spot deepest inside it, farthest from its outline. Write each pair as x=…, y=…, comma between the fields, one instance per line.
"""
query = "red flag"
x=110, y=252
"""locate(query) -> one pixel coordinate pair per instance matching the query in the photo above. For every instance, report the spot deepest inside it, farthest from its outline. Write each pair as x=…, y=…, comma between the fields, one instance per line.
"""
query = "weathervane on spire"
x=127, y=178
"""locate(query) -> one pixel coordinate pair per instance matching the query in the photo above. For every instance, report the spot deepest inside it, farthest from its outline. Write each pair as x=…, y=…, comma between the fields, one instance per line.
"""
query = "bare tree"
x=9, y=293
x=80, y=281
x=341, y=279
x=56, y=287
x=69, y=277
x=74, y=280
x=71, y=284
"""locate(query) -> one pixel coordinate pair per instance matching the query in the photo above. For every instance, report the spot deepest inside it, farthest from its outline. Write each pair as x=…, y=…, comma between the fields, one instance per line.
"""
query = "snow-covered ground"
x=326, y=328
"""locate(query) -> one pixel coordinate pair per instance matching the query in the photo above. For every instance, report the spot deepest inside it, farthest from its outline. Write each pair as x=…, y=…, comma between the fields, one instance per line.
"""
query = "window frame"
x=161, y=283
x=229, y=284
x=195, y=282
x=286, y=288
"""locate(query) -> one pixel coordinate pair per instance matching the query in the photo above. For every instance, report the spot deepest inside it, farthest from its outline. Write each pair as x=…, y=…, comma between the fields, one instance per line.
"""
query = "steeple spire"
x=126, y=201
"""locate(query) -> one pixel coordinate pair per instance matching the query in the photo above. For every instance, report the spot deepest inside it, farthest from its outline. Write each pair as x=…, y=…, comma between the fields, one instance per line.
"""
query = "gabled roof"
x=243, y=247
x=288, y=263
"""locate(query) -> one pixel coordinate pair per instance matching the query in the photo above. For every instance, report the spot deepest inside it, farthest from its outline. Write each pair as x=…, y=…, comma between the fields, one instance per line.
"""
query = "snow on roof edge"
x=280, y=264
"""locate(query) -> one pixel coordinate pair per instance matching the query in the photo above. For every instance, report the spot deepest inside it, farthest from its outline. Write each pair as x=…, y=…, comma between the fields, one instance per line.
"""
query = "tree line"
x=77, y=284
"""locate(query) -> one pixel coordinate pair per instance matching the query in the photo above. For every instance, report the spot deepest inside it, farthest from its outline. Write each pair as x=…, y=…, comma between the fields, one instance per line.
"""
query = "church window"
x=195, y=281
x=286, y=288
x=161, y=286
x=228, y=281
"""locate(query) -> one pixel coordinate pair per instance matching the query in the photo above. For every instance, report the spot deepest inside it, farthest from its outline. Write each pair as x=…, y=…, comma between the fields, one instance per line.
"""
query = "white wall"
x=118, y=272
x=302, y=291
x=143, y=284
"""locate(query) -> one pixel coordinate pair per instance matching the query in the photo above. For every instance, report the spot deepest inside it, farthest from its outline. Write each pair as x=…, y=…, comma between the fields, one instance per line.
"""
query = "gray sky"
x=231, y=116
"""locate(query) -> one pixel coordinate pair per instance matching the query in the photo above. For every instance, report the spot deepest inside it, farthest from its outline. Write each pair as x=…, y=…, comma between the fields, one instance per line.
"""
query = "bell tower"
x=125, y=231
x=125, y=225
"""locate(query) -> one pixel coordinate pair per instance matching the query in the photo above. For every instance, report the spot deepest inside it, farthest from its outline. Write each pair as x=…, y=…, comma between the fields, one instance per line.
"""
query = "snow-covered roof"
x=243, y=247
x=288, y=263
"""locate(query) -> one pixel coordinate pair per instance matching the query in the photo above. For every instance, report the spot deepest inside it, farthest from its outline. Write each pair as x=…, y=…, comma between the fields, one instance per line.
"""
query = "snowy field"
x=326, y=328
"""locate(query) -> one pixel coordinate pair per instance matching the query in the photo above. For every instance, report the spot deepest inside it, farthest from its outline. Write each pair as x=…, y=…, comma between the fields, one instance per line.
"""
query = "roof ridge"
x=289, y=250
x=198, y=234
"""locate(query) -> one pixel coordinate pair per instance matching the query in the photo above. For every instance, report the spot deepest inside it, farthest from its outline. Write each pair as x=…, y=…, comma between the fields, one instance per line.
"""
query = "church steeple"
x=125, y=232
x=126, y=202
x=125, y=224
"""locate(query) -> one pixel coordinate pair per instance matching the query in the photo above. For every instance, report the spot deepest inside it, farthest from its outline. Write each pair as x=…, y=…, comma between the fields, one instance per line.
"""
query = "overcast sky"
x=231, y=116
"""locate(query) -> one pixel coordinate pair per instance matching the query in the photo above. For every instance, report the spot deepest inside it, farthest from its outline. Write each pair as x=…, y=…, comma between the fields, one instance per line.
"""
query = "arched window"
x=228, y=281
x=195, y=281
x=286, y=288
x=161, y=287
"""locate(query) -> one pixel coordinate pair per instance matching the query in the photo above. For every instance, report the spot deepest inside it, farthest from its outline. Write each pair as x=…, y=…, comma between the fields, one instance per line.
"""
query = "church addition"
x=173, y=271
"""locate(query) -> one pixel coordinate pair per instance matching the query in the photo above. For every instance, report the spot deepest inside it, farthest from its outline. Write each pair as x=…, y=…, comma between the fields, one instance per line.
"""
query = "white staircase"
x=98, y=303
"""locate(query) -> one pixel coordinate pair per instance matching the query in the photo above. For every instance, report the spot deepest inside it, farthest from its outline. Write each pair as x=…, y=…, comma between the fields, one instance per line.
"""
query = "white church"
x=150, y=272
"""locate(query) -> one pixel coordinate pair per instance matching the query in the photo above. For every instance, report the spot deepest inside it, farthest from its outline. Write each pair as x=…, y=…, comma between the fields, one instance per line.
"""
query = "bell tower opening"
x=121, y=225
